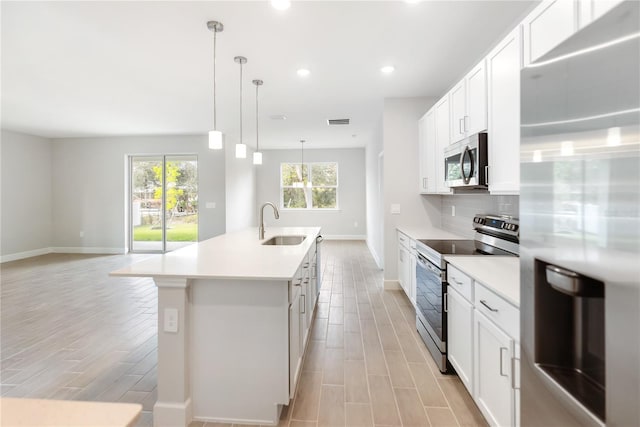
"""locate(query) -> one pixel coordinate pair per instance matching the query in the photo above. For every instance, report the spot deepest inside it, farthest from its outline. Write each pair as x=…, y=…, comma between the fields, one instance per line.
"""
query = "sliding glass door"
x=163, y=202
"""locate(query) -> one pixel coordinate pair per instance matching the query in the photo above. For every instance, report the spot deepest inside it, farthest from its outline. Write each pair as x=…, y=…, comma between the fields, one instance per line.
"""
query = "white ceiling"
x=72, y=69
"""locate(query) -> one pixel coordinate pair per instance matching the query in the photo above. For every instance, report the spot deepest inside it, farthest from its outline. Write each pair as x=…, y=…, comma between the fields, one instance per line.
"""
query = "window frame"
x=309, y=190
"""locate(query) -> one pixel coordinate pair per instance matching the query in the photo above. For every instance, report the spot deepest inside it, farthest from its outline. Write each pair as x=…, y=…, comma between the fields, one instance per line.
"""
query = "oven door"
x=430, y=316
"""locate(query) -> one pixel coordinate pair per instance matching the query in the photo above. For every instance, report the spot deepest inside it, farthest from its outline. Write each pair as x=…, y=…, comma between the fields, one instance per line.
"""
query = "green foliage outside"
x=182, y=232
x=323, y=178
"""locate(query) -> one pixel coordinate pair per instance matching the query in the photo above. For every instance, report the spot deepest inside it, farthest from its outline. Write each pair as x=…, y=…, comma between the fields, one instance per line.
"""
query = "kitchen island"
x=234, y=314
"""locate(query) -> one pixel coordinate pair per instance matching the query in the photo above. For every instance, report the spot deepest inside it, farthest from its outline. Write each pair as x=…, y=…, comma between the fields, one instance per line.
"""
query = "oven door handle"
x=426, y=264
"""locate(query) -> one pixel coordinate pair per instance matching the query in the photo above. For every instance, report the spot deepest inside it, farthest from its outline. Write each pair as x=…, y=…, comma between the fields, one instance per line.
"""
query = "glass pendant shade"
x=241, y=151
x=257, y=158
x=215, y=140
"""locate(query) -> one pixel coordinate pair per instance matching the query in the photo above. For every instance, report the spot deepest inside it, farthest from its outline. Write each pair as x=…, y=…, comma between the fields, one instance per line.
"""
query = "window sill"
x=309, y=210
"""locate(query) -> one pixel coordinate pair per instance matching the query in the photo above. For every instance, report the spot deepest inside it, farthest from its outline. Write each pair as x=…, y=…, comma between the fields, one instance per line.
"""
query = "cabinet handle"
x=298, y=284
x=501, y=374
x=460, y=125
x=304, y=304
x=305, y=265
x=446, y=302
x=514, y=372
x=306, y=281
x=459, y=283
x=486, y=175
x=483, y=302
x=424, y=183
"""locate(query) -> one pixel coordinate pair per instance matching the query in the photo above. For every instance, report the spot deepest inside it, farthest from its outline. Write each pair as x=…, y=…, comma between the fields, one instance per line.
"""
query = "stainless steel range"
x=495, y=235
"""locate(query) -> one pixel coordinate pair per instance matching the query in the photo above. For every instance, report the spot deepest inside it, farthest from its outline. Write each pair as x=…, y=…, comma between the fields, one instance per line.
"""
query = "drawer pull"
x=514, y=371
x=459, y=283
x=446, y=302
x=501, y=358
x=483, y=302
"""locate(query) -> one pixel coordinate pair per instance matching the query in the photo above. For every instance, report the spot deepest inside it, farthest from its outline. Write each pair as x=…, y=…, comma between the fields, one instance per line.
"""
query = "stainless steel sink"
x=284, y=240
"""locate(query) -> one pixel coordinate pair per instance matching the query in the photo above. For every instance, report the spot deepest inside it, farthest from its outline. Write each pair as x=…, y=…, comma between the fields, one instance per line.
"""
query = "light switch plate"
x=395, y=209
x=211, y=205
x=171, y=320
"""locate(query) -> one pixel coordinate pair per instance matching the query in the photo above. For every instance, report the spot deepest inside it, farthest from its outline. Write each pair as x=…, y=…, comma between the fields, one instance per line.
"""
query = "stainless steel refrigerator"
x=580, y=228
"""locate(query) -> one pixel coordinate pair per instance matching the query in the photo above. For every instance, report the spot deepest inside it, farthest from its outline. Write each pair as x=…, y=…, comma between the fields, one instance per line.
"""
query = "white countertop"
x=427, y=232
x=501, y=274
x=237, y=255
x=67, y=413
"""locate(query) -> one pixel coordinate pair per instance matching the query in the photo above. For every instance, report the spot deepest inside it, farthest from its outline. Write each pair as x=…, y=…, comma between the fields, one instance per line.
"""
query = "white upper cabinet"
x=458, y=98
x=547, y=26
x=427, y=152
x=590, y=10
x=503, y=70
x=469, y=104
x=443, y=138
x=476, y=120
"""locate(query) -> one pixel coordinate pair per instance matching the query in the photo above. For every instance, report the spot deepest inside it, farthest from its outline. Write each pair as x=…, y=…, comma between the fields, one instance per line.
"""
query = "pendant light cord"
x=257, y=135
x=240, y=102
x=215, y=92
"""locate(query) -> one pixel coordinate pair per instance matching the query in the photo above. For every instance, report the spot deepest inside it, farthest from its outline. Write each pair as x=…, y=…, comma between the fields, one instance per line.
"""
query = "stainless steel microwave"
x=465, y=163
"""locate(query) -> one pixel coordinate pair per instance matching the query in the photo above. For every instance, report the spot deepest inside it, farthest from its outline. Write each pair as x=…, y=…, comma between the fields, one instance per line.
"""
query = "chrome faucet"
x=275, y=213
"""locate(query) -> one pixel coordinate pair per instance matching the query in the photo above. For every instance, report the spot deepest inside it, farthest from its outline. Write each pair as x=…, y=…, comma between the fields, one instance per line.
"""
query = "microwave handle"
x=465, y=178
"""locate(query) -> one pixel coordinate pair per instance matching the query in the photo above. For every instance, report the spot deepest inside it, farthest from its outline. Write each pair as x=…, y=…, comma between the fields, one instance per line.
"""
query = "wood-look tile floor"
x=71, y=332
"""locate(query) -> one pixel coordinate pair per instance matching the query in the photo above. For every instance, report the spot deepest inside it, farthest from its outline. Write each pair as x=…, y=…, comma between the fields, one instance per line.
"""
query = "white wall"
x=339, y=223
x=375, y=196
x=400, y=136
x=89, y=188
x=25, y=176
x=240, y=185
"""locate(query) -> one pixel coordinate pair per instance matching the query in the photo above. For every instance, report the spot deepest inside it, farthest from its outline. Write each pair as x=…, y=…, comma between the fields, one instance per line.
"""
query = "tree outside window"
x=309, y=186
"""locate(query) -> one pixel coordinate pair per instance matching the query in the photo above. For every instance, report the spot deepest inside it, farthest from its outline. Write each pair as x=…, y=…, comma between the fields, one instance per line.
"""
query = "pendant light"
x=241, y=148
x=301, y=183
x=257, y=156
x=215, y=136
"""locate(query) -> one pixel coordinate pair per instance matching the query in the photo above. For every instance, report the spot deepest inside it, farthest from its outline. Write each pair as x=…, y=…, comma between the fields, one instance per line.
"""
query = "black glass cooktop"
x=462, y=247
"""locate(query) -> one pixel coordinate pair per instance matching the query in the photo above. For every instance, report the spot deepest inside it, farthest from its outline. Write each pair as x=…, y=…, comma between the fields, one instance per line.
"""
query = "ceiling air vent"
x=332, y=122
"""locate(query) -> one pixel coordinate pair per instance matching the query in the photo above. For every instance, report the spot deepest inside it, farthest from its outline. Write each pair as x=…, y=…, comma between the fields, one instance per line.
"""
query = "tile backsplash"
x=468, y=205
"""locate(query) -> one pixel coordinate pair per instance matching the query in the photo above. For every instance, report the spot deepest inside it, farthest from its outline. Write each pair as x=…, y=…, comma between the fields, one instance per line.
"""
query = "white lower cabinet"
x=295, y=353
x=482, y=346
x=460, y=334
x=494, y=392
x=302, y=301
x=407, y=266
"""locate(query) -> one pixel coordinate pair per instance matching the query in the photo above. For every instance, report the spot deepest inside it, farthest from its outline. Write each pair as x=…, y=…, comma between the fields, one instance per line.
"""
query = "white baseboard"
x=87, y=250
x=375, y=256
x=392, y=285
x=344, y=237
x=25, y=254
x=172, y=414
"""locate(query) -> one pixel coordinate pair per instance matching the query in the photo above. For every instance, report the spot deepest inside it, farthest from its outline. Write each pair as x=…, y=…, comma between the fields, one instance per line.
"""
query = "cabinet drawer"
x=460, y=282
x=503, y=314
x=404, y=240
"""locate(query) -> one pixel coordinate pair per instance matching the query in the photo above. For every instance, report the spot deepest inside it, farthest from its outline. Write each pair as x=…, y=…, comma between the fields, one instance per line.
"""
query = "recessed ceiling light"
x=278, y=117
x=303, y=72
x=281, y=4
x=387, y=69
x=412, y=1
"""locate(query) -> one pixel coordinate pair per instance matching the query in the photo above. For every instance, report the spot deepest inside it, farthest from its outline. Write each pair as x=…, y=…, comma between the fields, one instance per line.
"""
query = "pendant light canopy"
x=257, y=156
x=241, y=148
x=215, y=136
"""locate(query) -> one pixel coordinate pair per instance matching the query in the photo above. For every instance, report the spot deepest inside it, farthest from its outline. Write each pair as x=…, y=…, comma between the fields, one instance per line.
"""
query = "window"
x=313, y=187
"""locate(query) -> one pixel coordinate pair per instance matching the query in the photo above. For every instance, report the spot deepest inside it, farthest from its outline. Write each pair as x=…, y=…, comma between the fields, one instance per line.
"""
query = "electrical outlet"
x=171, y=320
x=453, y=210
x=82, y=234
x=211, y=205
x=395, y=209
x=355, y=224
